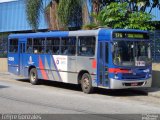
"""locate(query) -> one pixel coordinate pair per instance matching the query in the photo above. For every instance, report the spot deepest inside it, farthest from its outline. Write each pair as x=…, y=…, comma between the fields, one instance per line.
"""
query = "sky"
x=6, y=0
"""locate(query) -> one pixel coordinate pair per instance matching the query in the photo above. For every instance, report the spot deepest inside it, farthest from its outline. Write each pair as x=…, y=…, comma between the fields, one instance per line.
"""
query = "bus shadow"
x=61, y=85
x=3, y=86
x=100, y=91
x=120, y=92
x=55, y=84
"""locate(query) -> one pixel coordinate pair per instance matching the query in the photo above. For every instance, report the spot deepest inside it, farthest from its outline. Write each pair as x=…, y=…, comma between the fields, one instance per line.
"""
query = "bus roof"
x=101, y=32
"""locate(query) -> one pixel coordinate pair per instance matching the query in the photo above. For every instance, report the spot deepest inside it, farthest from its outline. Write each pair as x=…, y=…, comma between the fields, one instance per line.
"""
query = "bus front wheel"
x=86, y=83
x=33, y=76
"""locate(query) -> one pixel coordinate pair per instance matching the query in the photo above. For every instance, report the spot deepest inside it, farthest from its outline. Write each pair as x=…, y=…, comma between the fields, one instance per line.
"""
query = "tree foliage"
x=113, y=15
x=140, y=20
x=133, y=5
x=116, y=15
x=68, y=12
x=33, y=8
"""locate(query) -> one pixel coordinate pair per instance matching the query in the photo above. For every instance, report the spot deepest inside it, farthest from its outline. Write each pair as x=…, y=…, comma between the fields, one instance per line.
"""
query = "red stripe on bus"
x=117, y=70
x=94, y=64
x=43, y=72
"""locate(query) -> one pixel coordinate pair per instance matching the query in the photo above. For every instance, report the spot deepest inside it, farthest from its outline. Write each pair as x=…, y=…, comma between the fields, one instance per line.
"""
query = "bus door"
x=22, y=50
x=103, y=57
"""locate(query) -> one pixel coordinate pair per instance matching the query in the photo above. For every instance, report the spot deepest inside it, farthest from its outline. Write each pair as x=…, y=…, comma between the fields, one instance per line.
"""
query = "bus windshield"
x=131, y=53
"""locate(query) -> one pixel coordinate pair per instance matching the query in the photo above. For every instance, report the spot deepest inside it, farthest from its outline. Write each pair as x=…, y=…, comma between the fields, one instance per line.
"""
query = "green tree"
x=69, y=12
x=133, y=5
x=140, y=20
x=116, y=15
x=33, y=8
x=113, y=15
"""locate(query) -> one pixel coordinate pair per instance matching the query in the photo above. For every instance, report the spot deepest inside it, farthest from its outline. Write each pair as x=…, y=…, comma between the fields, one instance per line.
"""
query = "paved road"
x=17, y=95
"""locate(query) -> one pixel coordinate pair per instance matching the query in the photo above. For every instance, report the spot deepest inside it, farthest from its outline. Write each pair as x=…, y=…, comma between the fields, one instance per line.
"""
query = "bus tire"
x=33, y=76
x=86, y=83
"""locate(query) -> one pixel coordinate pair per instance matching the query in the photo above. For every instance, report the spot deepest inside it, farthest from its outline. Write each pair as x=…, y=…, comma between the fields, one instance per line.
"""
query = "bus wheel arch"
x=30, y=67
x=84, y=78
x=80, y=74
x=33, y=75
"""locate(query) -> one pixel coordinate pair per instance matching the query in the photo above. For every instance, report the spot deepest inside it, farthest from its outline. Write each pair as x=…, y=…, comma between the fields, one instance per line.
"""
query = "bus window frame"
x=17, y=46
x=95, y=44
x=75, y=45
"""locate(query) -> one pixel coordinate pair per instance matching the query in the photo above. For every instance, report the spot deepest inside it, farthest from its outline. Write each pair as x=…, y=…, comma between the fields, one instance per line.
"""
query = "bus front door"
x=103, y=58
x=22, y=50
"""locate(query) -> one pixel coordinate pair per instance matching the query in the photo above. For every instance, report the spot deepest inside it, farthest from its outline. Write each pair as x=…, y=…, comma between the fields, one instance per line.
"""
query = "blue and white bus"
x=106, y=58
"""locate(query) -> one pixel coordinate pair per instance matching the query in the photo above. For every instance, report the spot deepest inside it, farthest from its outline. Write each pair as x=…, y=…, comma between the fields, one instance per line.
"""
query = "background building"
x=13, y=17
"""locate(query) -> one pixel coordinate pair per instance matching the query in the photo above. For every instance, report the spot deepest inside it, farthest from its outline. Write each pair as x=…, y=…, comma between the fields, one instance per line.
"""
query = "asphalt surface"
x=18, y=96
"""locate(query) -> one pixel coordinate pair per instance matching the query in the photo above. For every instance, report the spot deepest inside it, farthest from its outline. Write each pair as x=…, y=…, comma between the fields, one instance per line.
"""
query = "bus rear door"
x=22, y=50
x=103, y=57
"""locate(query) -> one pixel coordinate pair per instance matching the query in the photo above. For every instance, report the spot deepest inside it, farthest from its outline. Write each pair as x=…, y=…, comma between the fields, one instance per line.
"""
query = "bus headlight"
x=150, y=75
x=146, y=70
x=116, y=76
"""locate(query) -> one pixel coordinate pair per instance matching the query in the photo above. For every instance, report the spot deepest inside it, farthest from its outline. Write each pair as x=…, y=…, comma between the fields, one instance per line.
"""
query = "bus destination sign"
x=130, y=35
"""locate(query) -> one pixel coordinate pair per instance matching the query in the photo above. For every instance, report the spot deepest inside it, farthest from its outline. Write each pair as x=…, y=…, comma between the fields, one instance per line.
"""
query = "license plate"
x=134, y=84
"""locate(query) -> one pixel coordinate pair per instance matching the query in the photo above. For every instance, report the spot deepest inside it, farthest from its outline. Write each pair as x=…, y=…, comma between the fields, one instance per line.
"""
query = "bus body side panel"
x=51, y=67
x=57, y=68
x=13, y=63
x=87, y=64
x=29, y=60
x=65, y=68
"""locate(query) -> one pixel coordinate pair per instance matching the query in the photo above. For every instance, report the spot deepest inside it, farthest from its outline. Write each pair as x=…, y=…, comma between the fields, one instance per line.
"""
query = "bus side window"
x=68, y=46
x=39, y=45
x=86, y=46
x=52, y=46
x=13, y=46
x=29, y=45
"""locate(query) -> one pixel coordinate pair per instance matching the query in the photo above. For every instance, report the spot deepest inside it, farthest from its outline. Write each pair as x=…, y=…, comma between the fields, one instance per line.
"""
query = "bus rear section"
x=13, y=56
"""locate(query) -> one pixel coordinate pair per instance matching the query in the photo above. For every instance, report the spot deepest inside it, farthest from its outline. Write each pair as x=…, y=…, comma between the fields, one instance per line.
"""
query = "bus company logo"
x=57, y=61
x=11, y=59
x=30, y=62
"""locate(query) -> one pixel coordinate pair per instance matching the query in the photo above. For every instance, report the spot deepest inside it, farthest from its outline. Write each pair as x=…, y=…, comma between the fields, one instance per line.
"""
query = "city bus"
x=104, y=58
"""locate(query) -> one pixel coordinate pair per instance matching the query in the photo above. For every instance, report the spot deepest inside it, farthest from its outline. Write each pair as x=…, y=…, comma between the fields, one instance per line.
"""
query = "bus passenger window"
x=52, y=46
x=68, y=46
x=29, y=49
x=39, y=45
x=13, y=46
x=29, y=45
x=86, y=46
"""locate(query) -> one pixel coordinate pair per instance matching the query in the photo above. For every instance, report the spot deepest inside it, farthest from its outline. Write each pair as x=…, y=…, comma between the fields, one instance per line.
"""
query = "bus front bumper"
x=122, y=84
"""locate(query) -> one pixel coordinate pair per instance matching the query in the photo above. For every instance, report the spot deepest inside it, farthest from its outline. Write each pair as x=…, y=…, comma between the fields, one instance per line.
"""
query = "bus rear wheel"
x=86, y=83
x=33, y=76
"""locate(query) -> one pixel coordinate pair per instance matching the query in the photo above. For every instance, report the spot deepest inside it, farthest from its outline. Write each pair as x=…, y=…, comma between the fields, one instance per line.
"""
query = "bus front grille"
x=133, y=76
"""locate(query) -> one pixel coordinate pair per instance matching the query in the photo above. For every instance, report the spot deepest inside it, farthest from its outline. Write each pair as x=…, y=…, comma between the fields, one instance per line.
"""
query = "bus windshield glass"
x=131, y=53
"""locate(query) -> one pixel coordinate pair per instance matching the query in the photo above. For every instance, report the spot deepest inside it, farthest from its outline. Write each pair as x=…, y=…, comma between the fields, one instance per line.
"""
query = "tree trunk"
x=53, y=16
x=95, y=8
x=85, y=14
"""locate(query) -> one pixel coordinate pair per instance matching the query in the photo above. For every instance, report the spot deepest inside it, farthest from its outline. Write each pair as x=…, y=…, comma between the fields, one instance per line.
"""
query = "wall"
x=156, y=75
x=13, y=16
x=3, y=65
